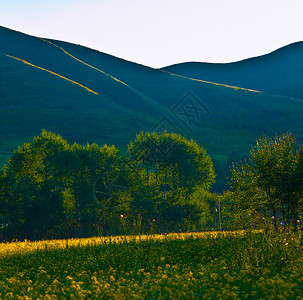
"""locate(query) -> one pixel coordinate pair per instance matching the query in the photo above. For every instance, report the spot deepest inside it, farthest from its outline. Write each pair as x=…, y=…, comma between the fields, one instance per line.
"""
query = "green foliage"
x=168, y=167
x=201, y=202
x=182, y=161
x=34, y=178
x=269, y=184
x=47, y=184
x=49, y=188
x=94, y=164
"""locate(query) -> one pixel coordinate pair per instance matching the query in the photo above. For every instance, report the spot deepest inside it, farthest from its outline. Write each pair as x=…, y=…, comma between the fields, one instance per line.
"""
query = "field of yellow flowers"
x=217, y=265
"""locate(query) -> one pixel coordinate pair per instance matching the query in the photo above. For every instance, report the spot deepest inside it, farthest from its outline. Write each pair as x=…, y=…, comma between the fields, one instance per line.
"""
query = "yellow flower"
x=9, y=295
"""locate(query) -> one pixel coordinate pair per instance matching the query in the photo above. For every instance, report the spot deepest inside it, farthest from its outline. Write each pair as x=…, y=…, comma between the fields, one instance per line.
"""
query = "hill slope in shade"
x=88, y=96
x=279, y=72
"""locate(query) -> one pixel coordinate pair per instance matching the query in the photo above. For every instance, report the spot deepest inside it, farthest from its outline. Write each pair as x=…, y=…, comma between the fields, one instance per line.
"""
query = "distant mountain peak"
x=279, y=72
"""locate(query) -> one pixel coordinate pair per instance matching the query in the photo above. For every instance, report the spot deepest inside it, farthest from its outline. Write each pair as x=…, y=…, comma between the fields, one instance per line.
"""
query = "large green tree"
x=34, y=178
x=165, y=169
x=269, y=184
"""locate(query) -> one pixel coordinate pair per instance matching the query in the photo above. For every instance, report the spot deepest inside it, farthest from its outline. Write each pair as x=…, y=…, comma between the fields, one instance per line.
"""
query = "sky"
x=159, y=33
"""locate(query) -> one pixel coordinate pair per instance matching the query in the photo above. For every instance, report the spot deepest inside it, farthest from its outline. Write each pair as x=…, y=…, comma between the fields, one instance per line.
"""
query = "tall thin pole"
x=219, y=210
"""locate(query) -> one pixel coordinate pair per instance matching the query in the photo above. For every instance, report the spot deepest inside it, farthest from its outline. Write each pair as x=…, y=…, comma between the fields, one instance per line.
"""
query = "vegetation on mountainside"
x=131, y=97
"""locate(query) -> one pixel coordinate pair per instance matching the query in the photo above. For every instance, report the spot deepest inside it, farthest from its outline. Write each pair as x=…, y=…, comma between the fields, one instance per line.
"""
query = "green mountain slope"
x=279, y=72
x=88, y=96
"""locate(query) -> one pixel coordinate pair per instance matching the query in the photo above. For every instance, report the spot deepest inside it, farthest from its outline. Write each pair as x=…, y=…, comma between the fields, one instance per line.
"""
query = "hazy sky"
x=158, y=33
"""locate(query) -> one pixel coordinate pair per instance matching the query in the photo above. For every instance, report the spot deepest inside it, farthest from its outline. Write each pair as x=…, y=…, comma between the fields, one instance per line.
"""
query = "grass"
x=74, y=82
x=230, y=265
x=131, y=98
x=276, y=73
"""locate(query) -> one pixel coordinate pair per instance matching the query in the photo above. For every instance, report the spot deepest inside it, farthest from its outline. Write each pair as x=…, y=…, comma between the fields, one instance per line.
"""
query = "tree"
x=96, y=168
x=47, y=186
x=167, y=167
x=269, y=184
x=35, y=177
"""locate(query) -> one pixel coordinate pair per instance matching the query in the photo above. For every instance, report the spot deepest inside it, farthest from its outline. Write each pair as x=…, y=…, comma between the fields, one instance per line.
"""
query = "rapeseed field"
x=215, y=265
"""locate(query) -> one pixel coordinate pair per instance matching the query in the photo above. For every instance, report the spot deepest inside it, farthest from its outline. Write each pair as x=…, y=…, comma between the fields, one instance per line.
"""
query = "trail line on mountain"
x=83, y=62
x=53, y=73
x=104, y=73
x=214, y=83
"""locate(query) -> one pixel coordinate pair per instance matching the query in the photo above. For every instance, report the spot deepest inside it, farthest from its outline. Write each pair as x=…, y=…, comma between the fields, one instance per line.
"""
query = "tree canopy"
x=270, y=184
x=50, y=187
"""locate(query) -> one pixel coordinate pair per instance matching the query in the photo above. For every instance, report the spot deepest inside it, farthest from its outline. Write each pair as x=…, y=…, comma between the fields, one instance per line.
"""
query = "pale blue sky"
x=158, y=33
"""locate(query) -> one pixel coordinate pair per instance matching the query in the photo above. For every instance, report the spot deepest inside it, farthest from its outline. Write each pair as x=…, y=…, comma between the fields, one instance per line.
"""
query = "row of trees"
x=51, y=189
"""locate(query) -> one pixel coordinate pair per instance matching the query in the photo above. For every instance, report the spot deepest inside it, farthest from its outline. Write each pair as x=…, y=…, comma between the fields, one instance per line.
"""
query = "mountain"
x=279, y=72
x=89, y=96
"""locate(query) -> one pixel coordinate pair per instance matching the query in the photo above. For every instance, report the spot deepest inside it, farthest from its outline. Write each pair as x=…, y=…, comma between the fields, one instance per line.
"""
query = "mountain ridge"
x=225, y=119
x=279, y=72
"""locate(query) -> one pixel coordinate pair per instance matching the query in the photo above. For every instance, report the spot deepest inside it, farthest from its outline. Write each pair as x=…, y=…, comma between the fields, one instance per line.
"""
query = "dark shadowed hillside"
x=279, y=72
x=89, y=96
